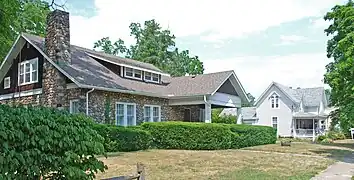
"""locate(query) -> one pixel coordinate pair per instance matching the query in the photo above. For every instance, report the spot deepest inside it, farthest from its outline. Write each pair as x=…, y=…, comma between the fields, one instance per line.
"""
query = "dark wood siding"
x=27, y=53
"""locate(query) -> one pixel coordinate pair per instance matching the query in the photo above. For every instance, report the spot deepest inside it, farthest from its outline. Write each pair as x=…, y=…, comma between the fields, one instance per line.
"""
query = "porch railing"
x=308, y=132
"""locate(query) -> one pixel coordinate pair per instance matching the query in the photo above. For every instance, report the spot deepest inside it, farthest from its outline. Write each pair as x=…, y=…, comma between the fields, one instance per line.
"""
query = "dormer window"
x=151, y=77
x=274, y=101
x=133, y=73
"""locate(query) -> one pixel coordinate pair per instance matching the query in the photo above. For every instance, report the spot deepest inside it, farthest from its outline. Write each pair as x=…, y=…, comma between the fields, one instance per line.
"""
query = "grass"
x=222, y=164
x=338, y=150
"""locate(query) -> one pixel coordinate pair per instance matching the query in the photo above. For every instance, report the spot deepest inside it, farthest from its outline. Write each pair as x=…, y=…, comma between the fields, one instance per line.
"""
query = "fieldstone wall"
x=100, y=100
x=34, y=100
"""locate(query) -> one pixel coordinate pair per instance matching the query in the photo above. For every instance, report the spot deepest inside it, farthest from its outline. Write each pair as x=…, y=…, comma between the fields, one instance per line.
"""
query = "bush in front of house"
x=193, y=136
x=119, y=138
x=252, y=135
x=43, y=142
x=330, y=136
x=225, y=119
x=198, y=136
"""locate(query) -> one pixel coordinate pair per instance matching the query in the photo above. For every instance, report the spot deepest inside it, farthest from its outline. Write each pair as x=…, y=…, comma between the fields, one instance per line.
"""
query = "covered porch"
x=198, y=109
x=308, y=125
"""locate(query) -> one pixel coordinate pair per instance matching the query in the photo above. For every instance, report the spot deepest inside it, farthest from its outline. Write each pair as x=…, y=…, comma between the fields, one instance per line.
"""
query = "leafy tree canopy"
x=18, y=16
x=156, y=46
x=340, y=72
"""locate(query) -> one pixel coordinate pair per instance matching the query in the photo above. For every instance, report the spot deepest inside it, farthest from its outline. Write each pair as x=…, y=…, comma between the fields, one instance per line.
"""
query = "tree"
x=18, y=16
x=340, y=72
x=251, y=103
x=153, y=45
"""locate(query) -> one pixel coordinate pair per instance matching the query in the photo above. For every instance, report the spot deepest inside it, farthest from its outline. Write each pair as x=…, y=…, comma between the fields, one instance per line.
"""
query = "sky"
x=261, y=40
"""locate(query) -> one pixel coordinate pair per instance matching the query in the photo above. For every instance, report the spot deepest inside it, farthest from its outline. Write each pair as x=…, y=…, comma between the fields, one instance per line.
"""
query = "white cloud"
x=225, y=18
x=320, y=23
x=256, y=72
x=292, y=39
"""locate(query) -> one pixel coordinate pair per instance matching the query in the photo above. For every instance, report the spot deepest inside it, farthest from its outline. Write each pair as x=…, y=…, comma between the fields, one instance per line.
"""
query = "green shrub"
x=320, y=138
x=198, y=136
x=225, y=119
x=118, y=138
x=37, y=141
x=252, y=135
x=334, y=135
x=183, y=135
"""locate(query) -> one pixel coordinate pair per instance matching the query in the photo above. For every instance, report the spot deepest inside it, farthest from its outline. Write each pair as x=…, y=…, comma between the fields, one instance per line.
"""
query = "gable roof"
x=86, y=72
x=308, y=96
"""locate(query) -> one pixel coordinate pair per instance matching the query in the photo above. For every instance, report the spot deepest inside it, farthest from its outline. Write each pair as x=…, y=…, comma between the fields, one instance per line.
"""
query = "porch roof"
x=299, y=115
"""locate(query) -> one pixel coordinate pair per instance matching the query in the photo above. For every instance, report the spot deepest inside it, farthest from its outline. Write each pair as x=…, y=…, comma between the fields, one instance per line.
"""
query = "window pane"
x=155, y=77
x=129, y=72
x=22, y=68
x=148, y=76
x=147, y=114
x=75, y=106
x=27, y=77
x=34, y=65
x=120, y=109
x=130, y=120
x=137, y=73
x=120, y=120
x=21, y=79
x=34, y=76
x=156, y=114
x=27, y=67
x=130, y=110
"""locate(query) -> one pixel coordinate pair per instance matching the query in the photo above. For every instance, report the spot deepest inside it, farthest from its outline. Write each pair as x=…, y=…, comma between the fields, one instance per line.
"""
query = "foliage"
x=340, y=72
x=18, y=16
x=225, y=119
x=118, y=138
x=198, y=136
x=252, y=101
x=38, y=141
x=252, y=135
x=335, y=135
x=156, y=46
x=330, y=136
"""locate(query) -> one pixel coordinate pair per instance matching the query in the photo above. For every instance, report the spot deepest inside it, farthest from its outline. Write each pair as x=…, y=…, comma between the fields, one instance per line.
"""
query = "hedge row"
x=118, y=138
x=198, y=136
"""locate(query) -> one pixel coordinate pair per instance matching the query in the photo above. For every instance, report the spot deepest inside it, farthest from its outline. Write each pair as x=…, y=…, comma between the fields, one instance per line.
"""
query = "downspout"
x=87, y=100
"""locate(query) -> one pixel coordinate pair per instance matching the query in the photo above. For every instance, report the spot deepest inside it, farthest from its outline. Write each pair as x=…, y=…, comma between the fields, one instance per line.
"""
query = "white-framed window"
x=74, y=106
x=151, y=77
x=133, y=73
x=126, y=114
x=275, y=122
x=7, y=82
x=28, y=72
x=152, y=113
x=274, y=101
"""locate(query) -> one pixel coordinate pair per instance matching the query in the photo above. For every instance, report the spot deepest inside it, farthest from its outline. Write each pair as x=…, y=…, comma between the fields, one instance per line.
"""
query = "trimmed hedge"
x=202, y=136
x=252, y=135
x=118, y=138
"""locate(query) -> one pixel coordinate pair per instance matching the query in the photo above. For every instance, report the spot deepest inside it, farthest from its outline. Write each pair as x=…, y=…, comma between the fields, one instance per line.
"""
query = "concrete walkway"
x=337, y=171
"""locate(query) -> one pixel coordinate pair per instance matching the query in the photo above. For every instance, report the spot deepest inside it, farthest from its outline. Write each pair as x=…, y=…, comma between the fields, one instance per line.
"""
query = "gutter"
x=87, y=100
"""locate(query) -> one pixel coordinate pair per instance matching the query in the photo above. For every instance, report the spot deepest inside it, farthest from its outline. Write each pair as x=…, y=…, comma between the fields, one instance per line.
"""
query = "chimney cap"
x=290, y=87
x=298, y=88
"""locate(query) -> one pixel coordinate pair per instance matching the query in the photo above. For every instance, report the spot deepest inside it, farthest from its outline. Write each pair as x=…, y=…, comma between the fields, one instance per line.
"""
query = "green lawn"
x=225, y=164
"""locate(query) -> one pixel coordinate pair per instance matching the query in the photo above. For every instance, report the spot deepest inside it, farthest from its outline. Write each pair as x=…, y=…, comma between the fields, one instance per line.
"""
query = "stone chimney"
x=57, y=47
x=57, y=39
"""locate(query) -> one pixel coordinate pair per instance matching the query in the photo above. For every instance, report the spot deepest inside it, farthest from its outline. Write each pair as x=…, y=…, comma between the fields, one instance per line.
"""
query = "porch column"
x=207, y=115
x=294, y=126
x=239, y=116
x=313, y=130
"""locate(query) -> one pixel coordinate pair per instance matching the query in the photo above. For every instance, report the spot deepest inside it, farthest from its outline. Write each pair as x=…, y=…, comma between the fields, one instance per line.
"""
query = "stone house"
x=51, y=72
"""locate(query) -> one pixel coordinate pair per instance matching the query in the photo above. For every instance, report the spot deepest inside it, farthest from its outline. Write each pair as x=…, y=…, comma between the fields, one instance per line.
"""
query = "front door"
x=187, y=115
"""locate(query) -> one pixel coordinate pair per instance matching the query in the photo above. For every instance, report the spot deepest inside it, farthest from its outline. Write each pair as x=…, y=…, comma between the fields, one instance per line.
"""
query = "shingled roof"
x=308, y=96
x=86, y=72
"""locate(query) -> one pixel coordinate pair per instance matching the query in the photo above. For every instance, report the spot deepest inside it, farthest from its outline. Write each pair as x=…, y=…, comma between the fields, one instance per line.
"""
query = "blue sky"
x=262, y=40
